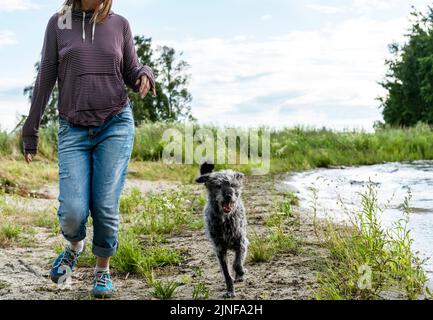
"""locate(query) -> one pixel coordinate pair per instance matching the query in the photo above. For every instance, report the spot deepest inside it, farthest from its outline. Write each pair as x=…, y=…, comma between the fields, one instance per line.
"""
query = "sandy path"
x=24, y=271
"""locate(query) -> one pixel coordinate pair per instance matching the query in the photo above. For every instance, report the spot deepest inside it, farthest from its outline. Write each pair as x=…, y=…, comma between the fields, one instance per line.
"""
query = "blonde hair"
x=100, y=14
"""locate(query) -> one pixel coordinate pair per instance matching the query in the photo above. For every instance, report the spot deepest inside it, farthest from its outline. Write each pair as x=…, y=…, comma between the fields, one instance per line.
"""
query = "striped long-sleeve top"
x=92, y=64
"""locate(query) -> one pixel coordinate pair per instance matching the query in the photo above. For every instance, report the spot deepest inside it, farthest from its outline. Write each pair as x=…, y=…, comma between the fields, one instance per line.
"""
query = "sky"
x=278, y=63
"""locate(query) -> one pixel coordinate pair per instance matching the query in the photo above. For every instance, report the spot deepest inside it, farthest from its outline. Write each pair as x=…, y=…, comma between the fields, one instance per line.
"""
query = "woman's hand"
x=28, y=157
x=144, y=86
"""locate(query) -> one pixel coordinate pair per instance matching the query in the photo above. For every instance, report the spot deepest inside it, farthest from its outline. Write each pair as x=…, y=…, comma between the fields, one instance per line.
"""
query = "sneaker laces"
x=102, y=278
x=69, y=257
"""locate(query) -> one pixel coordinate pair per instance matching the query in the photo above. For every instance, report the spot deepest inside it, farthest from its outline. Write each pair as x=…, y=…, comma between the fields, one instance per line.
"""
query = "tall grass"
x=9, y=233
x=291, y=148
x=300, y=149
x=200, y=290
x=6, y=144
x=164, y=290
x=368, y=261
x=279, y=237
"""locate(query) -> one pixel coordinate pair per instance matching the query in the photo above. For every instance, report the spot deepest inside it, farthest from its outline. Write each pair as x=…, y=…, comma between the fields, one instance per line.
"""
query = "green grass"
x=158, y=170
x=16, y=177
x=200, y=290
x=164, y=290
x=300, y=149
x=283, y=241
x=161, y=256
x=13, y=234
x=146, y=221
x=303, y=148
x=130, y=256
x=10, y=232
x=367, y=260
x=6, y=144
x=4, y=285
x=21, y=212
x=264, y=248
x=164, y=213
x=282, y=213
x=279, y=238
x=292, y=149
x=47, y=220
x=260, y=250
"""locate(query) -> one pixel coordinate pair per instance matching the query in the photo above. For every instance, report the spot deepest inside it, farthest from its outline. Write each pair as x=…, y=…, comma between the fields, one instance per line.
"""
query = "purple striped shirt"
x=91, y=67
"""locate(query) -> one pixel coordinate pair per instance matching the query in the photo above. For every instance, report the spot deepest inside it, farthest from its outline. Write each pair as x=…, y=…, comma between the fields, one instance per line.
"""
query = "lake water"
x=392, y=181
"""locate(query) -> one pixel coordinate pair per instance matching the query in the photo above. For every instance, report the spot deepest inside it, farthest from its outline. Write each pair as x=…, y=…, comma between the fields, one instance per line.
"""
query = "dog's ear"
x=203, y=178
x=206, y=168
x=239, y=176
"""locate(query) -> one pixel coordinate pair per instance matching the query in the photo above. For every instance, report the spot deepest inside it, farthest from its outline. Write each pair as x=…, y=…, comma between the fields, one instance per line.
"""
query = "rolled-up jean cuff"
x=104, y=252
x=75, y=239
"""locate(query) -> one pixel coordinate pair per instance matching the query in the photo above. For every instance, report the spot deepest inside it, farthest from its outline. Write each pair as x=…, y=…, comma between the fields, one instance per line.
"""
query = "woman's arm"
x=133, y=71
x=45, y=81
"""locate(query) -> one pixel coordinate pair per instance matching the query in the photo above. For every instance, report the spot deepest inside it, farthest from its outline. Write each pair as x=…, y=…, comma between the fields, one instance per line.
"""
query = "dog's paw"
x=240, y=275
x=229, y=295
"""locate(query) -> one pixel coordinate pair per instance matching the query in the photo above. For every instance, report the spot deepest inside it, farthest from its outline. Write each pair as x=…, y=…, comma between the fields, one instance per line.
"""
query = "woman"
x=92, y=56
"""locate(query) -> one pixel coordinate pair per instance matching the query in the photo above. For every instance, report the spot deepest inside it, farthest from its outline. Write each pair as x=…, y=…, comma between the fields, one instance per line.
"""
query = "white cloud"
x=367, y=5
x=7, y=38
x=10, y=83
x=14, y=5
x=354, y=6
x=266, y=17
x=171, y=29
x=298, y=78
x=325, y=9
x=11, y=111
x=13, y=105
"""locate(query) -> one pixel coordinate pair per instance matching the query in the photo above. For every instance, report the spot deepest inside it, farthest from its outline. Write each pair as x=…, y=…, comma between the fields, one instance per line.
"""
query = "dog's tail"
x=206, y=168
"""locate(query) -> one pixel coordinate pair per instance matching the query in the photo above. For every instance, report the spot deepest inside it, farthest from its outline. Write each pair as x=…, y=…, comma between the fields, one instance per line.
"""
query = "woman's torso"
x=91, y=86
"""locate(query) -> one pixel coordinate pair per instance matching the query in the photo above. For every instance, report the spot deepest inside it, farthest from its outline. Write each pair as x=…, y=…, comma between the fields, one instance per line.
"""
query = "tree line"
x=409, y=78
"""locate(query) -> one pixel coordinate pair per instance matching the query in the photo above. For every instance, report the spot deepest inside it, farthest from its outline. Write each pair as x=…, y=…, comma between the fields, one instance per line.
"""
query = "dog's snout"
x=228, y=197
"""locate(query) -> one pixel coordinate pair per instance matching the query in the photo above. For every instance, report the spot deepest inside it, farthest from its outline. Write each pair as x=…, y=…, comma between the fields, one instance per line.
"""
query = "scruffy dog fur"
x=225, y=220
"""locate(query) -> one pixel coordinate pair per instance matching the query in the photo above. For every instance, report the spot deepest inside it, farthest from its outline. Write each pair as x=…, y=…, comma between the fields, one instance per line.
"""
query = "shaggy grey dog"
x=225, y=220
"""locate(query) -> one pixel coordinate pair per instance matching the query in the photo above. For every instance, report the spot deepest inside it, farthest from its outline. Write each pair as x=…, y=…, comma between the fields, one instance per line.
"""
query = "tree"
x=409, y=79
x=172, y=97
x=174, y=82
x=150, y=108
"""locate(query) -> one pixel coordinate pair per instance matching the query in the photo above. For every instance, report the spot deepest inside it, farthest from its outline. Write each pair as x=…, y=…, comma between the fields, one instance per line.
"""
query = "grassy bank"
x=291, y=149
x=368, y=261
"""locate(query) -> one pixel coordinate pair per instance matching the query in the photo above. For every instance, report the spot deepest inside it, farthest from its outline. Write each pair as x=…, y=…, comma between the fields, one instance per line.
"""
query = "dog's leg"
x=222, y=257
x=239, y=261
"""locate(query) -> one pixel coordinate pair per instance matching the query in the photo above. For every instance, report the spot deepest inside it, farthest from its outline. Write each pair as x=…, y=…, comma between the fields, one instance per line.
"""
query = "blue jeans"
x=93, y=163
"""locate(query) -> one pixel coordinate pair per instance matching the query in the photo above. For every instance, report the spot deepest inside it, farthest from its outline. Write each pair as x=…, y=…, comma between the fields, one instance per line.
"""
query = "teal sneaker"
x=102, y=285
x=64, y=265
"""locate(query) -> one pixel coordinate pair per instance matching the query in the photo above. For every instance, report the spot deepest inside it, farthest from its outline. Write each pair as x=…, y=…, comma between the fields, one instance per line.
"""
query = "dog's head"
x=224, y=187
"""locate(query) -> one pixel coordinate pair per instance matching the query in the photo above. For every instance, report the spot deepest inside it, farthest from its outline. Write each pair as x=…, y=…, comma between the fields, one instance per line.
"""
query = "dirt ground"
x=24, y=271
